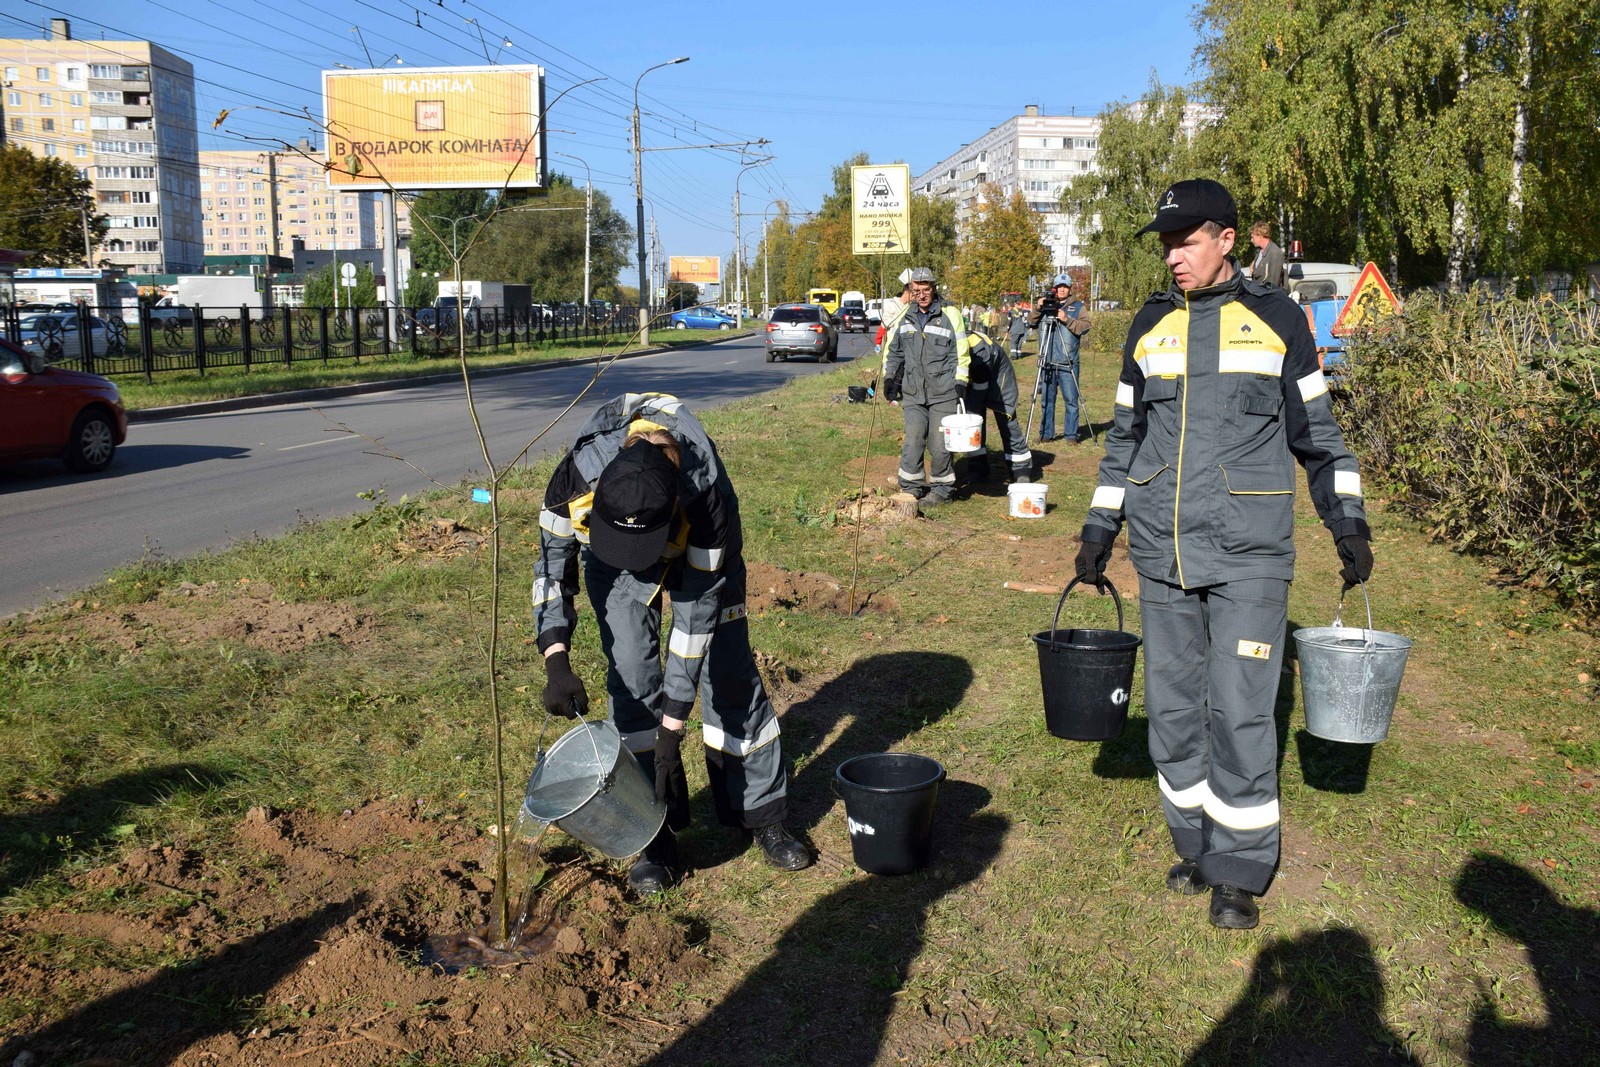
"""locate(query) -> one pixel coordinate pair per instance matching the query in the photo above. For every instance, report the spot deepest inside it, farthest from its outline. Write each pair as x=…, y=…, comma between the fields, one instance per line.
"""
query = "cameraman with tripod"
x=1061, y=322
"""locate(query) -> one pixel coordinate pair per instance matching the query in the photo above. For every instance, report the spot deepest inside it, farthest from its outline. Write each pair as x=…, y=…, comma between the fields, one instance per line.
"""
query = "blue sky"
x=820, y=82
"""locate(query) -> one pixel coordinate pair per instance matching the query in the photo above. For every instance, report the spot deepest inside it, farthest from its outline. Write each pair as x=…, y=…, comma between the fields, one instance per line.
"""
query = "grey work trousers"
x=744, y=759
x=922, y=432
x=1212, y=660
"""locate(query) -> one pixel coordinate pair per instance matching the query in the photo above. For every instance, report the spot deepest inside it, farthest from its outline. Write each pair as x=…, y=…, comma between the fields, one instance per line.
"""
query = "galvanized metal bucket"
x=1349, y=677
x=590, y=786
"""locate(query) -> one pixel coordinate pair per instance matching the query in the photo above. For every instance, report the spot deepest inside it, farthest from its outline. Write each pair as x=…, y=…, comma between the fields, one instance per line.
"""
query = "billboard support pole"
x=391, y=260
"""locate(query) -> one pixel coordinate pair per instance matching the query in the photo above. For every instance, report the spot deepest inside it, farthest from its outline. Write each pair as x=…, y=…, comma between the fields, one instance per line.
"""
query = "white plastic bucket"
x=1027, y=499
x=963, y=432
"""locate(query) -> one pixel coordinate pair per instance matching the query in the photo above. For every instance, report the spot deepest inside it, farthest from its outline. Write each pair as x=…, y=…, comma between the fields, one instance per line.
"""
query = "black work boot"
x=1184, y=879
x=781, y=849
x=656, y=869
x=1233, y=908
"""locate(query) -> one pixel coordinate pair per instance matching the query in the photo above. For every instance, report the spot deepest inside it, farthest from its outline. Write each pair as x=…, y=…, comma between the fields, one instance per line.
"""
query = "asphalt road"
x=184, y=485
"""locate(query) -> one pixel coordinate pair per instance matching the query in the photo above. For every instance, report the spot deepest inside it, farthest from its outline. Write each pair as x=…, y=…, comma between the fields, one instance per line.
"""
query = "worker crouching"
x=643, y=500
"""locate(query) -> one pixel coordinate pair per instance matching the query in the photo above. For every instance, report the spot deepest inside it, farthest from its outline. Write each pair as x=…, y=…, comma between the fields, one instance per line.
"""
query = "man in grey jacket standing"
x=1268, y=267
x=1220, y=396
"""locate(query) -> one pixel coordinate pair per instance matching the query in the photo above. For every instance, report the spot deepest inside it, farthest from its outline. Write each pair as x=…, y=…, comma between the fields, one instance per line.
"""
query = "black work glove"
x=1355, y=552
x=672, y=788
x=1092, y=559
x=963, y=395
x=891, y=389
x=563, y=691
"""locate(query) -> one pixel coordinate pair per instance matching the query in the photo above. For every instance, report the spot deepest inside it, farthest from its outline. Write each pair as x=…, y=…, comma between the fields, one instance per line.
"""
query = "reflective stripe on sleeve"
x=1159, y=363
x=1347, y=483
x=1125, y=394
x=560, y=525
x=1312, y=386
x=546, y=590
x=689, y=646
x=1193, y=797
x=1254, y=817
x=706, y=559
x=662, y=402
x=1108, y=497
x=719, y=739
x=1249, y=361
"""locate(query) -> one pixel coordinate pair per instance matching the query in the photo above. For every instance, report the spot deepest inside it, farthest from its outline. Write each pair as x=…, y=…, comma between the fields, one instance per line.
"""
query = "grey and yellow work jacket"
x=705, y=548
x=929, y=352
x=1220, y=394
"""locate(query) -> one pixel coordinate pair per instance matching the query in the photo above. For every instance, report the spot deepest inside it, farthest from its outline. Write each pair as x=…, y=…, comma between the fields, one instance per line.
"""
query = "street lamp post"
x=738, y=248
x=588, y=214
x=638, y=186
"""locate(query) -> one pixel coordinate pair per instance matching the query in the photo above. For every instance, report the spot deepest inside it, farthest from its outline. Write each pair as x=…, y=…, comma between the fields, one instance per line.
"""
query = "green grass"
x=1401, y=917
x=187, y=387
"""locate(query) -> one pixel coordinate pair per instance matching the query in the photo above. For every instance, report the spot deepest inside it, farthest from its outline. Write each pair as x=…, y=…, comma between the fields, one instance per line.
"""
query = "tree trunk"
x=1460, y=235
x=1519, y=144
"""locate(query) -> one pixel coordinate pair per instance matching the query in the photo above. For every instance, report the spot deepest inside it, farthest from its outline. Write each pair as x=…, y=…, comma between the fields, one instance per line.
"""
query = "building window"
x=41, y=74
x=76, y=99
x=105, y=70
x=12, y=73
x=74, y=74
x=18, y=126
x=47, y=125
x=227, y=246
x=47, y=100
x=259, y=201
x=96, y=96
x=49, y=149
x=80, y=150
x=13, y=100
x=143, y=197
x=79, y=126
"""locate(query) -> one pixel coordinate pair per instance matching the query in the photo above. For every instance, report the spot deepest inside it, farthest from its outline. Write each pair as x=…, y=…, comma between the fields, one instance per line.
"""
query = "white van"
x=1309, y=282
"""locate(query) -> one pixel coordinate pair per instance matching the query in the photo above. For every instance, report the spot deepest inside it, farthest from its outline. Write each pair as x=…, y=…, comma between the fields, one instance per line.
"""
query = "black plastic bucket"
x=1087, y=676
x=888, y=801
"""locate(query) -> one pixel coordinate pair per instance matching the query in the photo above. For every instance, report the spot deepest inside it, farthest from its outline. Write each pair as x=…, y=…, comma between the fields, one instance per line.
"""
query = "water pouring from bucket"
x=1349, y=677
x=1086, y=675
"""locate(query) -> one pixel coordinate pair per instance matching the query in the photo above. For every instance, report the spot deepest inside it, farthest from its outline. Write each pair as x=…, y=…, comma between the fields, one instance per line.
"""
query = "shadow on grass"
x=1313, y=1001
x=160, y=1019
x=33, y=843
x=826, y=993
x=1560, y=944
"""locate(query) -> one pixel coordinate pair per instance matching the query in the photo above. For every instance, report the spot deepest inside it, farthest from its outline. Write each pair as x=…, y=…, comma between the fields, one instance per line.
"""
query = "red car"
x=52, y=412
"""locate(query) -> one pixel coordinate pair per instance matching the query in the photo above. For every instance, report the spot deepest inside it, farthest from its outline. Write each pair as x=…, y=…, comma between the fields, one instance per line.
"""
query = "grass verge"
x=1437, y=899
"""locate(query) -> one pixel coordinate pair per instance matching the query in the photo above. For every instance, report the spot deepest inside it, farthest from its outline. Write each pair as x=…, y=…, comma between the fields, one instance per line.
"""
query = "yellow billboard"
x=880, y=214
x=435, y=127
x=701, y=270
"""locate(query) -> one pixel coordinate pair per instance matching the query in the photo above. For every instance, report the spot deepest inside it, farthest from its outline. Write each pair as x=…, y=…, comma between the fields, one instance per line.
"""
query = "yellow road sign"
x=1370, y=302
x=880, y=210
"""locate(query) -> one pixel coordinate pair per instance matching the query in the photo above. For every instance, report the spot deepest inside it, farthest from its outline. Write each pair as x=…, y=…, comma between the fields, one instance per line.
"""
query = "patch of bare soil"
x=875, y=508
x=1045, y=564
x=251, y=614
x=299, y=941
x=438, y=539
x=770, y=588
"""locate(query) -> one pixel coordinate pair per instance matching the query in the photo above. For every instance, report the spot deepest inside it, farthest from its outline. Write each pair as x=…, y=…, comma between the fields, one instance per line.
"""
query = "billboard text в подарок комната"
x=435, y=127
x=880, y=209
x=701, y=270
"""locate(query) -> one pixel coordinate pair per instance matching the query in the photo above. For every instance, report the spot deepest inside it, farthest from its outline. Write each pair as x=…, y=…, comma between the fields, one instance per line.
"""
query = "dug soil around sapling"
x=299, y=939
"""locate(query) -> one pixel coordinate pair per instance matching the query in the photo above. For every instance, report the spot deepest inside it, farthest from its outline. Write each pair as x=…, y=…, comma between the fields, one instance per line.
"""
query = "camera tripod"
x=1047, y=330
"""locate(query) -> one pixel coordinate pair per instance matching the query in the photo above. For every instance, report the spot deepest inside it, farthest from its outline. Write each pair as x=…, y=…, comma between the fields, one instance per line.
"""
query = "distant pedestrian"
x=1268, y=267
x=1017, y=330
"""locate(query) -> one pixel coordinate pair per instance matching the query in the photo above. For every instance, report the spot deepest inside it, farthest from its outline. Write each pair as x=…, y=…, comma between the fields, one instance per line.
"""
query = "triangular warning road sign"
x=1370, y=301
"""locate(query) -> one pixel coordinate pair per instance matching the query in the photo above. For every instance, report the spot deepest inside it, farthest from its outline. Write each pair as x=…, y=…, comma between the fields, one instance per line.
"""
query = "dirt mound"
x=249, y=613
x=875, y=508
x=301, y=940
x=438, y=539
x=770, y=588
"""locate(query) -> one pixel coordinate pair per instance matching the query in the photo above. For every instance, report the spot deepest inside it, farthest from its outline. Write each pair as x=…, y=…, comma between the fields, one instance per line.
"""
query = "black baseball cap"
x=635, y=500
x=1191, y=202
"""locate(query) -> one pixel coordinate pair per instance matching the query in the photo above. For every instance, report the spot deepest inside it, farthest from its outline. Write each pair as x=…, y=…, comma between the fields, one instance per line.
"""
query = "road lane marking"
x=346, y=438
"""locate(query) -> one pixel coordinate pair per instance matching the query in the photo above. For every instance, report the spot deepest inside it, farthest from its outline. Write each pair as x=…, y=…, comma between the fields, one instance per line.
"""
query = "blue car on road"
x=700, y=318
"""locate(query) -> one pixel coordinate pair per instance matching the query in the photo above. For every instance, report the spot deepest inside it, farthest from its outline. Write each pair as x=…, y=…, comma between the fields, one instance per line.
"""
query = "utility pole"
x=88, y=247
x=638, y=186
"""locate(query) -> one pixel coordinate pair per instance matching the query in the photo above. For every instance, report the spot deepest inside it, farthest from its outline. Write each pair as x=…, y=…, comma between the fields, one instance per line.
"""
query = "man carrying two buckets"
x=1219, y=396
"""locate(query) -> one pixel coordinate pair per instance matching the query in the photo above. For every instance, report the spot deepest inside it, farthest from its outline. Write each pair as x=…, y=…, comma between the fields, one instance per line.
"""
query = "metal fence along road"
x=202, y=339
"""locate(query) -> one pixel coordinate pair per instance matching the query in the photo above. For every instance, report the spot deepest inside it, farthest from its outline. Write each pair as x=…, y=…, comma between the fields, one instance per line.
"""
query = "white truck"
x=473, y=295
x=222, y=294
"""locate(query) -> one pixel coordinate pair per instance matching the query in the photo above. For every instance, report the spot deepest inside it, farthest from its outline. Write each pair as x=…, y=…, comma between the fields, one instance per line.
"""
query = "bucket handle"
x=1055, y=624
x=604, y=779
x=1338, y=613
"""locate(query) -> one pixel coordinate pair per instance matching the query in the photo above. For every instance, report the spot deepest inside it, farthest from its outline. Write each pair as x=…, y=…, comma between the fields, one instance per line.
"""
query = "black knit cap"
x=1189, y=203
x=635, y=499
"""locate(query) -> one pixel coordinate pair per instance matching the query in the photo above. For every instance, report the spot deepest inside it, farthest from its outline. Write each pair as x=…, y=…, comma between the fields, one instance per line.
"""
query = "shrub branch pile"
x=1482, y=415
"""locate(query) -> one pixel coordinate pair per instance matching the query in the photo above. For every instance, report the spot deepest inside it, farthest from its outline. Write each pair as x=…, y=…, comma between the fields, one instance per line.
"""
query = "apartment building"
x=1038, y=154
x=259, y=202
x=123, y=114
